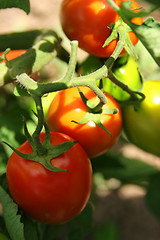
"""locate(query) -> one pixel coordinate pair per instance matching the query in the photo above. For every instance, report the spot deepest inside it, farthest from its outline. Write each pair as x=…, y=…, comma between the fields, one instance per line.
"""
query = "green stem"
x=134, y=95
x=69, y=81
x=72, y=62
x=39, y=147
x=98, y=107
x=117, y=51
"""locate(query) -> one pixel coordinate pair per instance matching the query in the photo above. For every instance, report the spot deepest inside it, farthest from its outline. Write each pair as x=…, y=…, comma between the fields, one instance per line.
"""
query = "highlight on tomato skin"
x=67, y=106
x=88, y=21
x=51, y=197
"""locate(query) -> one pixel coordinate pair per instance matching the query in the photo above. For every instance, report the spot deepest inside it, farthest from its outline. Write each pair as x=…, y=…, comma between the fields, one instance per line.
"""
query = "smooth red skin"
x=47, y=196
x=13, y=54
x=67, y=105
x=88, y=22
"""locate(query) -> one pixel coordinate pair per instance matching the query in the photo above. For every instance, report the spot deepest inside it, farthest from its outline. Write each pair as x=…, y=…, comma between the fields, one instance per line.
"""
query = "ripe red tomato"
x=51, y=197
x=88, y=22
x=67, y=105
x=13, y=54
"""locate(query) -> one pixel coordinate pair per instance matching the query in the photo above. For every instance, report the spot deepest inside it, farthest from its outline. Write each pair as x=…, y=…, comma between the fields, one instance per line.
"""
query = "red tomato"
x=13, y=54
x=68, y=105
x=88, y=22
x=51, y=197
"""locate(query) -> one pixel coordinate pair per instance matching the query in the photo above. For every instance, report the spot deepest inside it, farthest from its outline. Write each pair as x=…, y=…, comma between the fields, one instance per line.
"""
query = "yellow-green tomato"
x=127, y=74
x=142, y=127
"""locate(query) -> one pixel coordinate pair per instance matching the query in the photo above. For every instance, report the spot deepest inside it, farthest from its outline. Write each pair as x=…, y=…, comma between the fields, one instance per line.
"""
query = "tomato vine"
x=83, y=121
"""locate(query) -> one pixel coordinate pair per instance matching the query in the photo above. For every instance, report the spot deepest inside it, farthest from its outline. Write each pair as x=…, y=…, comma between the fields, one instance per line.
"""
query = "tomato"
x=127, y=74
x=13, y=54
x=51, y=197
x=142, y=127
x=88, y=21
x=67, y=105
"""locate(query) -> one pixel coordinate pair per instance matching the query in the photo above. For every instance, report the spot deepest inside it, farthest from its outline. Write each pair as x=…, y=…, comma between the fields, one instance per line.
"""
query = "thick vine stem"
x=39, y=147
x=33, y=60
x=68, y=81
x=72, y=62
x=39, y=89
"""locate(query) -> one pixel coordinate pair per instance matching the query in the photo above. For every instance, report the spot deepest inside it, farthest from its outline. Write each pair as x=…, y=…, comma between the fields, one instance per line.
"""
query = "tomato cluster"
x=57, y=197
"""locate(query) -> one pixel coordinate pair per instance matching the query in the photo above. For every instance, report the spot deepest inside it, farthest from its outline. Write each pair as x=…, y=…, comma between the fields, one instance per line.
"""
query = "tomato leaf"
x=148, y=32
x=113, y=165
x=22, y=4
x=30, y=230
x=153, y=195
x=107, y=231
x=51, y=232
x=156, y=2
x=81, y=225
x=12, y=220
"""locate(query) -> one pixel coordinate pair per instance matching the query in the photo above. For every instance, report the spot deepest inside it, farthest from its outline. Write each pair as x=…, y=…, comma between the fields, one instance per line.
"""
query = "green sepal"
x=52, y=152
x=103, y=127
x=120, y=31
x=92, y=115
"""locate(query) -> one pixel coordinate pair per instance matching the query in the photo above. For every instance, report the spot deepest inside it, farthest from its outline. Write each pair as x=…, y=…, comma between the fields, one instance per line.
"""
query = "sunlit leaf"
x=12, y=219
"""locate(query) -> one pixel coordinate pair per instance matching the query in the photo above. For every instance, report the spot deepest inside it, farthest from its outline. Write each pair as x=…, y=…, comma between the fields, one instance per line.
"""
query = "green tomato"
x=3, y=237
x=127, y=74
x=142, y=127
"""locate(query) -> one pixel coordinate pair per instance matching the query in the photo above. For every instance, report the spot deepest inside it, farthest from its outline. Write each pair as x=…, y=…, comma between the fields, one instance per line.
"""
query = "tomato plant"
x=51, y=197
x=129, y=75
x=51, y=181
x=67, y=106
x=89, y=21
x=142, y=125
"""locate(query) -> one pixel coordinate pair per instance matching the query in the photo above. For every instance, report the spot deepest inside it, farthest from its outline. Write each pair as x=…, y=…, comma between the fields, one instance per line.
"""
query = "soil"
x=125, y=206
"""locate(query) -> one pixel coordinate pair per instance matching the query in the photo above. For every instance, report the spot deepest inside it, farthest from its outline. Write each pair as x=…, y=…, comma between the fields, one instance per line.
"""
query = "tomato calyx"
x=120, y=32
x=46, y=152
x=43, y=152
x=95, y=108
